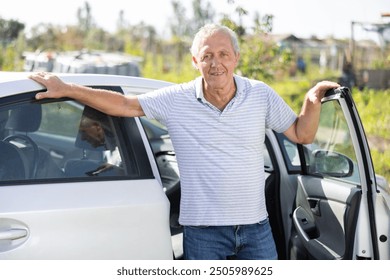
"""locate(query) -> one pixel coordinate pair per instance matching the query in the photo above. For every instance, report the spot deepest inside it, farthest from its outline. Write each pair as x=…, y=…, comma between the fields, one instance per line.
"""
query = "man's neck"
x=220, y=97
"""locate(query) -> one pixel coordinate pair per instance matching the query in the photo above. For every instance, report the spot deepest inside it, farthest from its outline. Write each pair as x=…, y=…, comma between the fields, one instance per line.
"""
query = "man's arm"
x=109, y=102
x=304, y=129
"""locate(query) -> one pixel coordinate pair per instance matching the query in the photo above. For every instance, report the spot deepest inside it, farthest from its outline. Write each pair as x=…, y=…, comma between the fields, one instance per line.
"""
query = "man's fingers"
x=40, y=95
x=41, y=78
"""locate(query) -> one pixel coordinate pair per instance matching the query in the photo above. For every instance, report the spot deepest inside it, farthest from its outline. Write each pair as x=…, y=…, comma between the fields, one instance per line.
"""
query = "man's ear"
x=195, y=62
x=237, y=58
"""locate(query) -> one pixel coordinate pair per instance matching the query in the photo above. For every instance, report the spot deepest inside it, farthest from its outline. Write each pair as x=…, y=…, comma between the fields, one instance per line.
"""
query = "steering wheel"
x=28, y=140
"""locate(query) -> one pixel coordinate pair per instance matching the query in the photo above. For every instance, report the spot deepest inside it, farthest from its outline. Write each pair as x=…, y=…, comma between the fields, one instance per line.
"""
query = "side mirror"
x=331, y=163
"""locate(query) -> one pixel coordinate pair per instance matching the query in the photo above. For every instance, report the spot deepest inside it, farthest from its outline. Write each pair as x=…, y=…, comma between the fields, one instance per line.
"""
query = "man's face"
x=216, y=61
x=92, y=132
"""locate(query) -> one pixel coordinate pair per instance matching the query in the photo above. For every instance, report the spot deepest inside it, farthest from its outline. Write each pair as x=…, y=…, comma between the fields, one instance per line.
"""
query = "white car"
x=62, y=197
x=78, y=184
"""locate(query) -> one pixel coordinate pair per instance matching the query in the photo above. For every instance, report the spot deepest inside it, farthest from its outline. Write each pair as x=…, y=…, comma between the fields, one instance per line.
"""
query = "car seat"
x=13, y=164
x=22, y=121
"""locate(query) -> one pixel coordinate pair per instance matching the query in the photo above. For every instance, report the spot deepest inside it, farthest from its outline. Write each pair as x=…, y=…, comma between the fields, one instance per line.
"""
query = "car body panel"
x=16, y=82
x=61, y=217
x=118, y=222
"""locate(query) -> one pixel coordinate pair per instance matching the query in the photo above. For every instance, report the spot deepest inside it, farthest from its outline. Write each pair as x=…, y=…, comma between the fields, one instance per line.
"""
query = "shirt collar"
x=199, y=87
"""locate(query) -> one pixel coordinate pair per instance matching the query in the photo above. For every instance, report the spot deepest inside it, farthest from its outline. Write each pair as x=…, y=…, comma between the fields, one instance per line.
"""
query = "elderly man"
x=217, y=125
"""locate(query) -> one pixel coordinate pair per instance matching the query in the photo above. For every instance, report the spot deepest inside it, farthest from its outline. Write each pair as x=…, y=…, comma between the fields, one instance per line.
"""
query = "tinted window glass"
x=64, y=139
x=290, y=153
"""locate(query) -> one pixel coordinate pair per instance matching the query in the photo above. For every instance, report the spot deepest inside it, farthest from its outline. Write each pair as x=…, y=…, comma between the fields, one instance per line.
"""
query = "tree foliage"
x=84, y=18
x=142, y=39
x=203, y=13
x=261, y=58
x=9, y=30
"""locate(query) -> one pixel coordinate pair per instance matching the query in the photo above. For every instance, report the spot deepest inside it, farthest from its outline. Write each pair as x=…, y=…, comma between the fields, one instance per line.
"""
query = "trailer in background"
x=94, y=62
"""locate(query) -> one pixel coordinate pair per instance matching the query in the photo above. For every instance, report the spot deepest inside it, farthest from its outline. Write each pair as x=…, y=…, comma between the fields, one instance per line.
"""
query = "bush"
x=373, y=107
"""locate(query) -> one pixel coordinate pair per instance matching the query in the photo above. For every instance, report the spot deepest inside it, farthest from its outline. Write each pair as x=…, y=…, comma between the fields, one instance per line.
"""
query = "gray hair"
x=209, y=30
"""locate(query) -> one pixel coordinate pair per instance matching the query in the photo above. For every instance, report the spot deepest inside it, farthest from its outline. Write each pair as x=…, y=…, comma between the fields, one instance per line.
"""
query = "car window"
x=268, y=166
x=153, y=128
x=290, y=153
x=57, y=111
x=332, y=153
x=64, y=140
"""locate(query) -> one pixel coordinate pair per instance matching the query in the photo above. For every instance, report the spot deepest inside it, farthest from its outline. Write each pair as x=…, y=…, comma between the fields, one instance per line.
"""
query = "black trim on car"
x=133, y=137
x=371, y=207
x=272, y=192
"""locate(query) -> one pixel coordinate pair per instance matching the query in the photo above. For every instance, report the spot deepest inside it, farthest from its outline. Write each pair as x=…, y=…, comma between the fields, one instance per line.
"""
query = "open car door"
x=337, y=205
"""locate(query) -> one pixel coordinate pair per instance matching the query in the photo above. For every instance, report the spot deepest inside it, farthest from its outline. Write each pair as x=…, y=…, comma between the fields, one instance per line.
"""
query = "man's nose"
x=215, y=61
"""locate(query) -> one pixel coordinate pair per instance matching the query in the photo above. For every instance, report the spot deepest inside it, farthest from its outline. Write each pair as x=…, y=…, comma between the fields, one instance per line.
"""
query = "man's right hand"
x=107, y=101
x=56, y=88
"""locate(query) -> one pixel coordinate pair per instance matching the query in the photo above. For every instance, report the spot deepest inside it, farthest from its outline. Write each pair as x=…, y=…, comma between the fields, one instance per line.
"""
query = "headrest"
x=25, y=118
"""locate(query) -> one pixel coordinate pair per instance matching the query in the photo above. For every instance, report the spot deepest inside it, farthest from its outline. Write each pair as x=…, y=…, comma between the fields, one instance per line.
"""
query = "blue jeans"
x=245, y=242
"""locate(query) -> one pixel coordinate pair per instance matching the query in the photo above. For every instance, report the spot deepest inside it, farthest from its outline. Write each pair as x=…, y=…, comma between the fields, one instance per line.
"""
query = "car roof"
x=12, y=83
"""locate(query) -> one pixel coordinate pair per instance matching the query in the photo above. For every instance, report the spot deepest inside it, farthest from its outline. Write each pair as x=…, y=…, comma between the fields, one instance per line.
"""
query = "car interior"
x=99, y=153
x=25, y=149
x=37, y=162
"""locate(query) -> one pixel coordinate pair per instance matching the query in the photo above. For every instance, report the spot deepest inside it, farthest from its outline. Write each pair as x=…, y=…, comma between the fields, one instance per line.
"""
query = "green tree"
x=260, y=57
x=178, y=25
x=44, y=36
x=9, y=60
x=121, y=23
x=9, y=30
x=84, y=18
x=203, y=13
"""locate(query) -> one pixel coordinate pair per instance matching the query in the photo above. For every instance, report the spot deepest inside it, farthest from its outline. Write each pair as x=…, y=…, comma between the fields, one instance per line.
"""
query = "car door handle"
x=315, y=206
x=12, y=234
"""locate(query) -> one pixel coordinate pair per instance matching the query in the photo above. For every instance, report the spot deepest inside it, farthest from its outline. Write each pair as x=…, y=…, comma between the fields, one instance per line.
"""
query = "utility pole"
x=352, y=43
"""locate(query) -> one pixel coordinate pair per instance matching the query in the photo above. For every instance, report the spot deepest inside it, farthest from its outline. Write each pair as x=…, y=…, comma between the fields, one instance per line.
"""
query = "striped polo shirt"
x=220, y=153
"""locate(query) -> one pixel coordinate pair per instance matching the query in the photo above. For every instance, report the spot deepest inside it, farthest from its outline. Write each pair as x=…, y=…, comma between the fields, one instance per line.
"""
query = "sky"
x=303, y=18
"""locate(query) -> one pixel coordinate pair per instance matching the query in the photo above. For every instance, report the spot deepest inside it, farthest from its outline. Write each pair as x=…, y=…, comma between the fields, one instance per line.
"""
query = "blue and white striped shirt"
x=220, y=153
